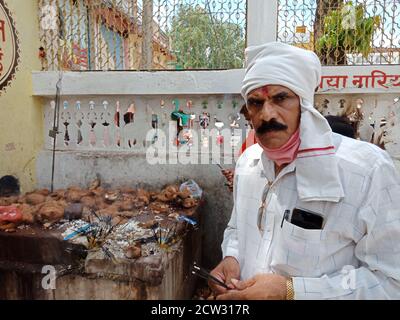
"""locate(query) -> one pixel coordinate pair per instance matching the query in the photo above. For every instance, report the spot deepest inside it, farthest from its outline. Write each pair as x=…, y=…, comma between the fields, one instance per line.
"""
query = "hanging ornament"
x=185, y=137
x=154, y=121
x=79, y=138
x=66, y=134
x=234, y=120
x=117, y=114
x=219, y=125
x=91, y=105
x=105, y=124
x=204, y=120
x=129, y=116
x=117, y=117
x=92, y=135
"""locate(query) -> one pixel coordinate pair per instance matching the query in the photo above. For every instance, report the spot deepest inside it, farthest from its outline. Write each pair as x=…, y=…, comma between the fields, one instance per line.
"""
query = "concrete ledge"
x=182, y=82
x=139, y=83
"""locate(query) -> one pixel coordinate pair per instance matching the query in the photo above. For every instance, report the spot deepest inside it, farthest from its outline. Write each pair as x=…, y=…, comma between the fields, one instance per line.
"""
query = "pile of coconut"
x=46, y=208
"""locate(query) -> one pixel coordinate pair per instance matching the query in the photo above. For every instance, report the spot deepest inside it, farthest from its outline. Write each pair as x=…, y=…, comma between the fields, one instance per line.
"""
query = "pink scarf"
x=285, y=154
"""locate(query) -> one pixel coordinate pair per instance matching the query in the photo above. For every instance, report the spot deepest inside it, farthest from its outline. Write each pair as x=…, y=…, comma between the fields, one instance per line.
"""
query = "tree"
x=346, y=30
x=201, y=41
x=323, y=8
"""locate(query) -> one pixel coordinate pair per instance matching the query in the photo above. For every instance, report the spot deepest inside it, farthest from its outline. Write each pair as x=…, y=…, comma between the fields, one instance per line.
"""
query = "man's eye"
x=280, y=98
x=255, y=103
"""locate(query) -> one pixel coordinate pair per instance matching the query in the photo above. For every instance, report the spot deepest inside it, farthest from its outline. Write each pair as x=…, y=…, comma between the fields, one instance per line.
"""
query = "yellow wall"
x=21, y=122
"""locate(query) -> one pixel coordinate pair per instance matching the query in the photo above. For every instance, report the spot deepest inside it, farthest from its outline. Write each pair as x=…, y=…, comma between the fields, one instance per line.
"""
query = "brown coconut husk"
x=127, y=205
x=52, y=211
x=158, y=207
x=95, y=184
x=28, y=213
x=35, y=198
x=189, y=203
x=134, y=252
x=184, y=194
x=88, y=201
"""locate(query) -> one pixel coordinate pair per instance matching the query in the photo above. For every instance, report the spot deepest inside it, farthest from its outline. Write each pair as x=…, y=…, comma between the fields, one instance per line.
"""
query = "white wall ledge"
x=139, y=83
x=191, y=82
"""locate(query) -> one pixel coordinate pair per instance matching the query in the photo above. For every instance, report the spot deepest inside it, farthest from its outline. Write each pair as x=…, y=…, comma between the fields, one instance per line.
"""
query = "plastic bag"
x=10, y=214
x=193, y=187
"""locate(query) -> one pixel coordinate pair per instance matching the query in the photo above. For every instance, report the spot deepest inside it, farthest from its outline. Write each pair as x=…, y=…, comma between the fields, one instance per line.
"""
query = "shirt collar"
x=312, y=184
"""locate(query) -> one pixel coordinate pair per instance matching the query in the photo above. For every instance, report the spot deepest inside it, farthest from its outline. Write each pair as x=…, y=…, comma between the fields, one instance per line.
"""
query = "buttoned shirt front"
x=356, y=253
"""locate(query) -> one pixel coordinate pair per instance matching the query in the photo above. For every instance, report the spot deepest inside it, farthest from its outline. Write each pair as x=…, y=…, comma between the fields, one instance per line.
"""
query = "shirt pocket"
x=299, y=252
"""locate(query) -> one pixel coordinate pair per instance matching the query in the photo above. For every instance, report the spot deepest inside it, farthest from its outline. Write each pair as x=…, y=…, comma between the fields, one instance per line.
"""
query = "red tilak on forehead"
x=265, y=90
x=262, y=91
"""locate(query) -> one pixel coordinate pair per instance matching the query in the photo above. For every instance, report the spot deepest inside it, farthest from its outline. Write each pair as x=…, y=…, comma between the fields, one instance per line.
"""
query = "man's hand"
x=260, y=287
x=227, y=270
x=229, y=173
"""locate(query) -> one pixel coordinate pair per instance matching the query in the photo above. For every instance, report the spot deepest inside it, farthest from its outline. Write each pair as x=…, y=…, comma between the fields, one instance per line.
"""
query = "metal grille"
x=142, y=34
x=359, y=32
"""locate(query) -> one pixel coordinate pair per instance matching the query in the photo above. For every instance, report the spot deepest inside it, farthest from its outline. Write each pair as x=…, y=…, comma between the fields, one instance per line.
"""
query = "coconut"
x=73, y=195
x=133, y=252
x=126, y=205
x=52, y=211
x=35, y=198
x=189, y=203
x=158, y=207
x=184, y=194
x=95, y=184
x=44, y=192
x=88, y=201
x=27, y=213
x=111, y=196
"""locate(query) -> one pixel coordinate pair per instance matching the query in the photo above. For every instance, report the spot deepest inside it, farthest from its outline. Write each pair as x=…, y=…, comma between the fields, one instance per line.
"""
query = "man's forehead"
x=268, y=90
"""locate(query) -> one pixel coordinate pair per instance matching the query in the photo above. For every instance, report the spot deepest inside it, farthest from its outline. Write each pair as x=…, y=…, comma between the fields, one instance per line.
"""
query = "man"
x=316, y=215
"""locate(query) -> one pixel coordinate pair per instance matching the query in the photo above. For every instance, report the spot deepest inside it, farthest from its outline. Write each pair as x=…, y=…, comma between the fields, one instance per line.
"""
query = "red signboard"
x=9, y=49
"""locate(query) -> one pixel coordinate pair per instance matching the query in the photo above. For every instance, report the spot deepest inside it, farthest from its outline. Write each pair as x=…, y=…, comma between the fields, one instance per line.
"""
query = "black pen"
x=285, y=216
x=202, y=273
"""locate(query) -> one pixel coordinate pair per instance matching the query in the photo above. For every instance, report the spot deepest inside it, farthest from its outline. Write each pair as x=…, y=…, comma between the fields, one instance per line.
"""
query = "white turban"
x=299, y=70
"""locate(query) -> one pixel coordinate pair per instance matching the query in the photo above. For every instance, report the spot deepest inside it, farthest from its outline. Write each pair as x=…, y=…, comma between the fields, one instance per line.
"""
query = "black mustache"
x=272, y=125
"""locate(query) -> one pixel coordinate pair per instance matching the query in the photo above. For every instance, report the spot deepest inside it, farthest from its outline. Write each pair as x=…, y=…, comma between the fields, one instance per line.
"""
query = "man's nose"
x=268, y=111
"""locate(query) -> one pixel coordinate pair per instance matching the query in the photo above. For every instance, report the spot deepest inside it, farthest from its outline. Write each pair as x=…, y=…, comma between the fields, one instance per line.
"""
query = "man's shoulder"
x=252, y=153
x=361, y=154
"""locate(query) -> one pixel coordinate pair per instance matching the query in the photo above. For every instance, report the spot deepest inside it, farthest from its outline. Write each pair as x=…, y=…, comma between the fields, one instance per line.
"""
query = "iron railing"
x=142, y=34
x=358, y=32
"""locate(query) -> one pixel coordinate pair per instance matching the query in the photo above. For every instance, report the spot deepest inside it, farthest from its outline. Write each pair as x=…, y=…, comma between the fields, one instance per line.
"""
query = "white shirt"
x=356, y=255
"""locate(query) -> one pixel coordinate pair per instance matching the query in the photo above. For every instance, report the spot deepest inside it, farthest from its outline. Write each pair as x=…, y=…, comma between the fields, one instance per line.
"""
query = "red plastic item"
x=10, y=214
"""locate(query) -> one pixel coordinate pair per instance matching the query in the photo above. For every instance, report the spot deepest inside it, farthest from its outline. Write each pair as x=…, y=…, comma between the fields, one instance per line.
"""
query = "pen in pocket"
x=285, y=216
